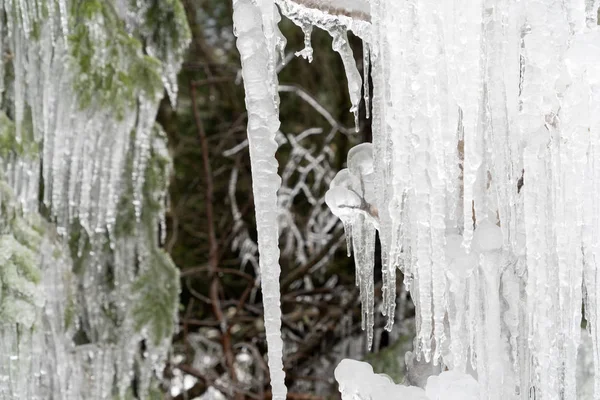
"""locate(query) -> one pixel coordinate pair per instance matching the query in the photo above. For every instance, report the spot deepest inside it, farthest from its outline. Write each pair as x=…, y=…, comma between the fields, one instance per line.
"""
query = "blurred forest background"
x=219, y=350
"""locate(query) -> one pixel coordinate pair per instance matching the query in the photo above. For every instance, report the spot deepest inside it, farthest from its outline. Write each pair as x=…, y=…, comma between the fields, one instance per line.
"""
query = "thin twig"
x=215, y=285
x=301, y=271
x=304, y=95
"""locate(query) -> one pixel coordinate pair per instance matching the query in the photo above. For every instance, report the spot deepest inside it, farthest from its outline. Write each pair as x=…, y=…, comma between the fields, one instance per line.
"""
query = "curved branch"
x=355, y=9
x=350, y=15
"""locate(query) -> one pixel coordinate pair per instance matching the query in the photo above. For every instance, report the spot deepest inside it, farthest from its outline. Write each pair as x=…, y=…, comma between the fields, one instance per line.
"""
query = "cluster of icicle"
x=482, y=180
x=72, y=322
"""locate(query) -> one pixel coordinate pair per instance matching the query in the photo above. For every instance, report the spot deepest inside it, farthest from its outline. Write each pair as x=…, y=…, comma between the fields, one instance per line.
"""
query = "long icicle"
x=257, y=51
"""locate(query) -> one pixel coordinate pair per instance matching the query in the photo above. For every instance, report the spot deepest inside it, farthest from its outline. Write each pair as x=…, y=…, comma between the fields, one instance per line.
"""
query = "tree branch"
x=215, y=285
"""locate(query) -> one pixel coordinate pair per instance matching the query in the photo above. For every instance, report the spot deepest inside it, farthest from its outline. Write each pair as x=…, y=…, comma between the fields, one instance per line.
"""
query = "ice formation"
x=88, y=299
x=351, y=198
x=482, y=180
x=258, y=39
x=357, y=381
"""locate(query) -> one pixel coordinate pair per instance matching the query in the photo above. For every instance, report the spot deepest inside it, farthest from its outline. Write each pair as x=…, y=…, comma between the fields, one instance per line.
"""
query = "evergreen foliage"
x=104, y=294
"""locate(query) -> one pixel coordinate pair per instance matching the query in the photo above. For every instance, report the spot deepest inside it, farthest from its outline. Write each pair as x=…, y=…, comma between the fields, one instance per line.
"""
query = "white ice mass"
x=483, y=182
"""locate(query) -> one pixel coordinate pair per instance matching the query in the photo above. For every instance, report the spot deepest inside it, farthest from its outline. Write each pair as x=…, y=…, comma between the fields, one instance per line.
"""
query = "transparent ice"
x=482, y=181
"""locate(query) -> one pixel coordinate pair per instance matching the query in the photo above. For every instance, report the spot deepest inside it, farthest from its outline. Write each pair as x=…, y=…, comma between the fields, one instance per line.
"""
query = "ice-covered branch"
x=355, y=9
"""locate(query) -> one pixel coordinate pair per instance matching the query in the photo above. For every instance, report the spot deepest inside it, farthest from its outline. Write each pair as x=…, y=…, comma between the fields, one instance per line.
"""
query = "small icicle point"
x=341, y=46
x=356, y=123
x=348, y=234
x=366, y=71
x=307, y=52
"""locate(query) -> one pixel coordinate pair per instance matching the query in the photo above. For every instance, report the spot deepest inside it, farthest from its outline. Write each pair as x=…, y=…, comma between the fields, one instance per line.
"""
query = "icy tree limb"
x=356, y=9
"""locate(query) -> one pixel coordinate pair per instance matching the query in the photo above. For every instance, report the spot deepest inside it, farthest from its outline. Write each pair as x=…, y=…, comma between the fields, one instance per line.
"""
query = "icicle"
x=366, y=68
x=280, y=43
x=460, y=267
x=350, y=197
x=307, y=52
x=257, y=54
x=162, y=222
x=469, y=89
x=64, y=18
x=341, y=45
x=390, y=239
x=143, y=132
x=19, y=82
x=364, y=244
x=580, y=117
x=346, y=202
x=169, y=51
x=539, y=258
x=348, y=234
x=2, y=50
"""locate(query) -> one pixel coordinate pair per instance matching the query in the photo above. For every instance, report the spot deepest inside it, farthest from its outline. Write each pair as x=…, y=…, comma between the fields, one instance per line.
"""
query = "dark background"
x=211, y=228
